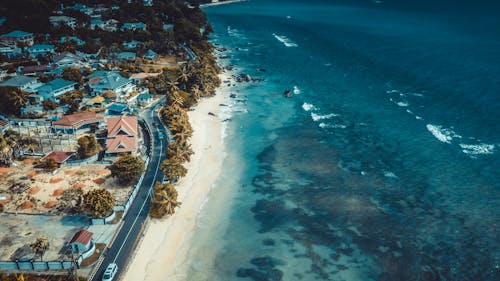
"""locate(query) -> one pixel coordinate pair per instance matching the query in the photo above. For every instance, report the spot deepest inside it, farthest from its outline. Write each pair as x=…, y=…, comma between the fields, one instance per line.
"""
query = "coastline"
x=221, y=3
x=165, y=243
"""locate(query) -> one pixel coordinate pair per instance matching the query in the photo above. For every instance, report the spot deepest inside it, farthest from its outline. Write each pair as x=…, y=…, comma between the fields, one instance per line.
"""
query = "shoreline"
x=221, y=3
x=165, y=243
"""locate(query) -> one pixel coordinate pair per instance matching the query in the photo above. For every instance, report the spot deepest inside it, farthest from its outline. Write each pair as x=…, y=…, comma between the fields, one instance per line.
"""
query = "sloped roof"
x=3, y=123
x=55, y=85
x=83, y=236
x=145, y=96
x=125, y=55
x=18, y=81
x=118, y=107
x=77, y=119
x=126, y=124
x=17, y=33
x=108, y=80
x=121, y=143
x=59, y=156
x=40, y=47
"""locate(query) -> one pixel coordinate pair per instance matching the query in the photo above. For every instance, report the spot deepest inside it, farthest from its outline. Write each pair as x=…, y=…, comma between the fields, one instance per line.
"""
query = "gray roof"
x=54, y=85
x=17, y=33
x=107, y=80
x=18, y=81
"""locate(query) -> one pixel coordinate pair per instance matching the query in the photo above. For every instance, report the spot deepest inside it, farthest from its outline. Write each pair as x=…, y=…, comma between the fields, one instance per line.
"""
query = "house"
x=55, y=88
x=111, y=25
x=125, y=56
x=150, y=55
x=18, y=37
x=133, y=26
x=132, y=44
x=59, y=156
x=3, y=74
x=117, y=109
x=122, y=135
x=102, y=81
x=76, y=40
x=97, y=23
x=82, y=8
x=82, y=242
x=68, y=59
x=35, y=70
x=96, y=101
x=19, y=81
x=4, y=125
x=144, y=99
x=77, y=123
x=58, y=21
x=40, y=49
x=10, y=50
x=138, y=77
x=148, y=3
x=168, y=26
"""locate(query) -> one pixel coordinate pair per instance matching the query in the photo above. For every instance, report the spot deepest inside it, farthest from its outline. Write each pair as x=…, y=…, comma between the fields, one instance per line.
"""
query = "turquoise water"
x=383, y=165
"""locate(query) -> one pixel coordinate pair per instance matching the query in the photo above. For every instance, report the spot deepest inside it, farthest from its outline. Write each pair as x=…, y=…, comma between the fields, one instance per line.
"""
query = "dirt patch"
x=99, y=180
x=58, y=192
x=26, y=205
x=70, y=172
x=5, y=201
x=28, y=161
x=103, y=172
x=31, y=174
x=79, y=185
x=4, y=170
x=50, y=204
x=34, y=190
x=56, y=180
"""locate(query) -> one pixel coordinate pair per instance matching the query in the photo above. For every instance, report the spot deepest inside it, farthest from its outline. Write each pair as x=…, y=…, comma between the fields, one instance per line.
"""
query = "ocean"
x=383, y=165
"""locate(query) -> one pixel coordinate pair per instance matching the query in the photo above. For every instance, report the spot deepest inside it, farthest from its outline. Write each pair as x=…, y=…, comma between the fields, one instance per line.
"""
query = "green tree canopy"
x=12, y=100
x=99, y=202
x=88, y=146
x=127, y=169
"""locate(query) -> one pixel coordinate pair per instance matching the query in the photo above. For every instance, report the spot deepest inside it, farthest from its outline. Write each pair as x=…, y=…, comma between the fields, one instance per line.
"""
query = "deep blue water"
x=385, y=163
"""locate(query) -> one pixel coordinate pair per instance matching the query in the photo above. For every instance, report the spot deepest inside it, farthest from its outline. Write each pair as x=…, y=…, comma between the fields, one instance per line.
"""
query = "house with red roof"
x=82, y=242
x=122, y=135
x=4, y=125
x=59, y=156
x=77, y=123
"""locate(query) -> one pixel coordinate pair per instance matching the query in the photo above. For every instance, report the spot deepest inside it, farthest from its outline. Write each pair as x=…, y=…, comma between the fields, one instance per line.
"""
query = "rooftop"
x=17, y=33
x=83, y=236
x=74, y=119
x=18, y=81
x=59, y=156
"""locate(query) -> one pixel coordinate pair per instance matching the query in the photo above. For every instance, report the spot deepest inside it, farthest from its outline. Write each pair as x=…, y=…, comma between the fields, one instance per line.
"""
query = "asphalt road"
x=133, y=221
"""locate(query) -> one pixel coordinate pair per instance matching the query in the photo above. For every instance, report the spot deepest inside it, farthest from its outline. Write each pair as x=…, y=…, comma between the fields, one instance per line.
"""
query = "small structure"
x=76, y=40
x=10, y=50
x=126, y=56
x=138, y=77
x=57, y=21
x=132, y=44
x=168, y=26
x=20, y=81
x=67, y=59
x=82, y=242
x=117, y=109
x=78, y=122
x=133, y=26
x=144, y=99
x=97, y=23
x=18, y=37
x=36, y=70
x=122, y=135
x=59, y=156
x=40, y=49
x=4, y=125
x=96, y=101
x=148, y=3
x=150, y=55
x=55, y=88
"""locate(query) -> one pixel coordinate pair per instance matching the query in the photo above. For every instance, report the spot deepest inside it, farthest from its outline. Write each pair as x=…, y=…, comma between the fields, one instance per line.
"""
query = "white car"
x=110, y=272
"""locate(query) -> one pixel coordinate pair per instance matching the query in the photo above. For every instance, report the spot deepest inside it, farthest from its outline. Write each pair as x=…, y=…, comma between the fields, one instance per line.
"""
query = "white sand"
x=166, y=242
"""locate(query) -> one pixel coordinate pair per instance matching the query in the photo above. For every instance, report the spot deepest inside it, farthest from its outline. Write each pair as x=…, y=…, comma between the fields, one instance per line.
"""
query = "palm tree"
x=40, y=246
x=19, y=98
x=184, y=75
x=173, y=169
x=196, y=92
x=164, y=200
x=172, y=86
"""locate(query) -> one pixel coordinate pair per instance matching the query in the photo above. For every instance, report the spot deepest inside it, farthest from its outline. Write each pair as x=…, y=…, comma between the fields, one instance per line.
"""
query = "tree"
x=99, y=202
x=164, y=200
x=49, y=105
x=88, y=146
x=72, y=74
x=40, y=246
x=127, y=169
x=173, y=169
x=50, y=164
x=12, y=100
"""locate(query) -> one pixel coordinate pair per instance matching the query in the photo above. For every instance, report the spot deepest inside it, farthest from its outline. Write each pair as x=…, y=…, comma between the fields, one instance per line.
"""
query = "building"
x=68, y=59
x=168, y=26
x=117, y=109
x=80, y=122
x=18, y=37
x=102, y=81
x=148, y=3
x=82, y=242
x=122, y=135
x=10, y=51
x=150, y=55
x=144, y=99
x=58, y=21
x=55, y=88
x=4, y=125
x=132, y=44
x=133, y=26
x=40, y=49
x=126, y=56
x=3, y=74
x=97, y=23
x=76, y=40
x=20, y=82
x=59, y=156
x=35, y=70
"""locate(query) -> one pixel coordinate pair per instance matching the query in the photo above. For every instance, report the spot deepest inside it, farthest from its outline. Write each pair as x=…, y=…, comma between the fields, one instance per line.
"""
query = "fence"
x=87, y=161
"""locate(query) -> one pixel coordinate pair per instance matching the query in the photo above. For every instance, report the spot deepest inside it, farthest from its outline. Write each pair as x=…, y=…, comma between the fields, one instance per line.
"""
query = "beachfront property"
x=40, y=49
x=122, y=135
x=57, y=21
x=78, y=123
x=18, y=37
x=20, y=81
x=102, y=81
x=60, y=157
x=82, y=242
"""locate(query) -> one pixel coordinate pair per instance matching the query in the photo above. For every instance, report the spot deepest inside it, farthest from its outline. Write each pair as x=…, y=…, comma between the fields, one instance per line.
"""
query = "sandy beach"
x=165, y=243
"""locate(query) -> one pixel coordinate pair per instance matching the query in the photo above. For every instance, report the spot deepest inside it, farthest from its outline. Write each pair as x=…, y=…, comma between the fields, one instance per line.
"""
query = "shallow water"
x=383, y=165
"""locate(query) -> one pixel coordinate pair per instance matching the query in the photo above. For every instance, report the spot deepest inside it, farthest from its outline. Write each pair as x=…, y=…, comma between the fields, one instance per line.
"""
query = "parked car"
x=110, y=272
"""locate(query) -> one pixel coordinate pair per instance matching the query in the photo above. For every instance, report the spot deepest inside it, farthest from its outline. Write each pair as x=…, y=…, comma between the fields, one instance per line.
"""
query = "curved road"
x=128, y=234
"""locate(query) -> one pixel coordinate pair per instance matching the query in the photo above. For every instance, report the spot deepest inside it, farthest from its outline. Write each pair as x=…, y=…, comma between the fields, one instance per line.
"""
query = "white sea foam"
x=285, y=40
x=409, y=111
x=442, y=134
x=476, y=149
x=332, y=126
x=392, y=91
x=402, y=103
x=318, y=117
x=418, y=117
x=296, y=90
x=308, y=107
x=389, y=174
